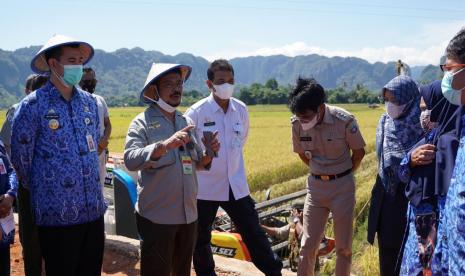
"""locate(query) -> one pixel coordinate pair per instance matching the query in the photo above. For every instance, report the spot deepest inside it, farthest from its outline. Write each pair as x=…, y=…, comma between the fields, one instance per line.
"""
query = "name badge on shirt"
x=2, y=167
x=209, y=124
x=50, y=116
x=186, y=164
x=90, y=143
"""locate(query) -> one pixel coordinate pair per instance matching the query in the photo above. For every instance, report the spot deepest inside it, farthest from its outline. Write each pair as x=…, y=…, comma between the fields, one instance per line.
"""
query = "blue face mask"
x=452, y=95
x=72, y=74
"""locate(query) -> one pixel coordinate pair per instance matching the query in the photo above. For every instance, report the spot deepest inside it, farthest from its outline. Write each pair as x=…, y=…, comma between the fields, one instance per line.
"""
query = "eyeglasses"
x=171, y=84
x=445, y=67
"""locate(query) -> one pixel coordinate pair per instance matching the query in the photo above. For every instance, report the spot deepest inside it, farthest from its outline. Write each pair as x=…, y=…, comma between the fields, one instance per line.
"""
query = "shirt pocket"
x=335, y=145
x=238, y=135
x=55, y=130
x=307, y=143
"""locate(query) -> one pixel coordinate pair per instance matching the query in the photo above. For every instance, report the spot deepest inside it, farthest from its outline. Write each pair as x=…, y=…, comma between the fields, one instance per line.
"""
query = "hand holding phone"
x=208, y=138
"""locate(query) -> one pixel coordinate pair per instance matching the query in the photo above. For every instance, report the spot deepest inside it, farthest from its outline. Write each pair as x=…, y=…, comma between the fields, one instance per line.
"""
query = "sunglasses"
x=445, y=67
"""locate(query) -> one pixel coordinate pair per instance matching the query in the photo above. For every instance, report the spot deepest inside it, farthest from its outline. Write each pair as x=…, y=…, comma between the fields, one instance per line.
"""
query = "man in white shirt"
x=88, y=83
x=225, y=184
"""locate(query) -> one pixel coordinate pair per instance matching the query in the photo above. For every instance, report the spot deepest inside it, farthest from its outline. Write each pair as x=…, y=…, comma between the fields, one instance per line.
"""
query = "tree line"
x=269, y=93
x=273, y=93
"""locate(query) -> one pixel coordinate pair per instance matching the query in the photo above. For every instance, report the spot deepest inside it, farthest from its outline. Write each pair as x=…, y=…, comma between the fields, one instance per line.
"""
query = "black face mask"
x=89, y=85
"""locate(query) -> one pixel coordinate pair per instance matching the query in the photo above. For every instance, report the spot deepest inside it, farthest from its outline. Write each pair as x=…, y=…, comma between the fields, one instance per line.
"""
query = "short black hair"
x=456, y=47
x=307, y=95
x=30, y=80
x=38, y=82
x=218, y=65
x=88, y=70
x=56, y=52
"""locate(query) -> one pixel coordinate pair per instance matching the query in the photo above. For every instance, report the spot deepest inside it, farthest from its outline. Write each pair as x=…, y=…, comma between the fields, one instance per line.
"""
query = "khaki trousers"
x=337, y=196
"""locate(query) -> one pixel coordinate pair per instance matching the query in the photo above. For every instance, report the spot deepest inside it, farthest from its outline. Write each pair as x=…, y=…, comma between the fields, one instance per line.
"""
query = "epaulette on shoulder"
x=341, y=114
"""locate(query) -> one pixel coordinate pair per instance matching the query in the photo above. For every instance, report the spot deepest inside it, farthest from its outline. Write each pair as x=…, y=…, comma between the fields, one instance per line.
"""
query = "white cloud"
x=427, y=48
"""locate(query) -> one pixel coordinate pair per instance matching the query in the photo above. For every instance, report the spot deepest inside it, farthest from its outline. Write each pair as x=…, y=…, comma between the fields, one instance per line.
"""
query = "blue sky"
x=416, y=31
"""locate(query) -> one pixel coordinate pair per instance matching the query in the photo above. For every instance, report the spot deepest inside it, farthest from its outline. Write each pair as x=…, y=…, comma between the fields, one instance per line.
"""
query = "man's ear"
x=209, y=84
x=53, y=64
x=151, y=92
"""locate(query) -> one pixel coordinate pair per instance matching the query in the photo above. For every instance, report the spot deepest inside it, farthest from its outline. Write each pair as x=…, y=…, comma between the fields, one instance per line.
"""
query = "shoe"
x=327, y=246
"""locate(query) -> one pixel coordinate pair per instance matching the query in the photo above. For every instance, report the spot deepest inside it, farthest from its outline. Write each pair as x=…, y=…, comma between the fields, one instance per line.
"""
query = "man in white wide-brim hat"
x=54, y=152
x=160, y=146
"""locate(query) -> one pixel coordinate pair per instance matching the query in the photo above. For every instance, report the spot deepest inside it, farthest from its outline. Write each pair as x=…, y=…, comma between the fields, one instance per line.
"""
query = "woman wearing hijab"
x=398, y=130
x=8, y=189
x=427, y=169
x=453, y=86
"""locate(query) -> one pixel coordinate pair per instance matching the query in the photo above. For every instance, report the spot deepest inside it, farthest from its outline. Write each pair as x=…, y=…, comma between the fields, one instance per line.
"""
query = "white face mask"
x=311, y=124
x=224, y=91
x=162, y=104
x=394, y=111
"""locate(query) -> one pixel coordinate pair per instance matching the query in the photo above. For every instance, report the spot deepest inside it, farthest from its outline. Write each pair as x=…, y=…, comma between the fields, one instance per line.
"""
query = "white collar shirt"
x=227, y=169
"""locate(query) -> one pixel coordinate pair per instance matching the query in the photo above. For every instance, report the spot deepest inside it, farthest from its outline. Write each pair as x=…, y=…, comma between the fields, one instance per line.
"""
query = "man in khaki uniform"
x=328, y=140
x=160, y=146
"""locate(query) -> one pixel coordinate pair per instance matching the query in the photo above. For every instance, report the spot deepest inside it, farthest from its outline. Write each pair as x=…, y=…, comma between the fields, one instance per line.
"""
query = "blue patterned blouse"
x=54, y=145
x=8, y=185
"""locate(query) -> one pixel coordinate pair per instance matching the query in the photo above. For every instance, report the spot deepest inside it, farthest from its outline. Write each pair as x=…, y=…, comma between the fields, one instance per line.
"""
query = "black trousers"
x=5, y=260
x=388, y=261
x=242, y=212
x=28, y=234
x=391, y=232
x=73, y=250
x=166, y=249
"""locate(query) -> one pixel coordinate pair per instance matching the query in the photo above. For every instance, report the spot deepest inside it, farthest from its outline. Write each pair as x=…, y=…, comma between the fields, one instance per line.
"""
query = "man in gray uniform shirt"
x=160, y=146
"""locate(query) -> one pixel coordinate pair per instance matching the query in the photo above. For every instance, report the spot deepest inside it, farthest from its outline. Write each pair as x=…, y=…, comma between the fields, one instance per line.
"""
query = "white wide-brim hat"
x=158, y=70
x=39, y=64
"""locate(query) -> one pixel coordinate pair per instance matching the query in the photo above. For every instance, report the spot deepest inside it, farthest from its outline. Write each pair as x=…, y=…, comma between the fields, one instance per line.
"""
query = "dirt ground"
x=113, y=263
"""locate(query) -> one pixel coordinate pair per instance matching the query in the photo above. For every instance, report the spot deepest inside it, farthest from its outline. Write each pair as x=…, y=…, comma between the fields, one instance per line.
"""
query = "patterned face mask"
x=425, y=121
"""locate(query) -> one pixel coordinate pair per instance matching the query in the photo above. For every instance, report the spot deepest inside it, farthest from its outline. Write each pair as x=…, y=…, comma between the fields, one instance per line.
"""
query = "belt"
x=332, y=177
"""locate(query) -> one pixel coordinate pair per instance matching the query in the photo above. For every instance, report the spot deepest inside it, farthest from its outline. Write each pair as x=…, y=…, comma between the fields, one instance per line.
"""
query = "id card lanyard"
x=186, y=160
x=90, y=142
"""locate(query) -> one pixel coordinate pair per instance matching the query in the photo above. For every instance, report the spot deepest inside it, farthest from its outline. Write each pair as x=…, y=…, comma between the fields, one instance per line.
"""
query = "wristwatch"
x=296, y=220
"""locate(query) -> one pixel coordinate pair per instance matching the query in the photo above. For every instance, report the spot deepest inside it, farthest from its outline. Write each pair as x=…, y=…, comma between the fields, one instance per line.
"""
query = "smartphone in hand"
x=208, y=137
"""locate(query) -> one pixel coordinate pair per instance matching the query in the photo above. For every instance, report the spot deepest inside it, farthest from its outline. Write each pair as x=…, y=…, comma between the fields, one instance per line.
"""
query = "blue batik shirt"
x=8, y=185
x=54, y=151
